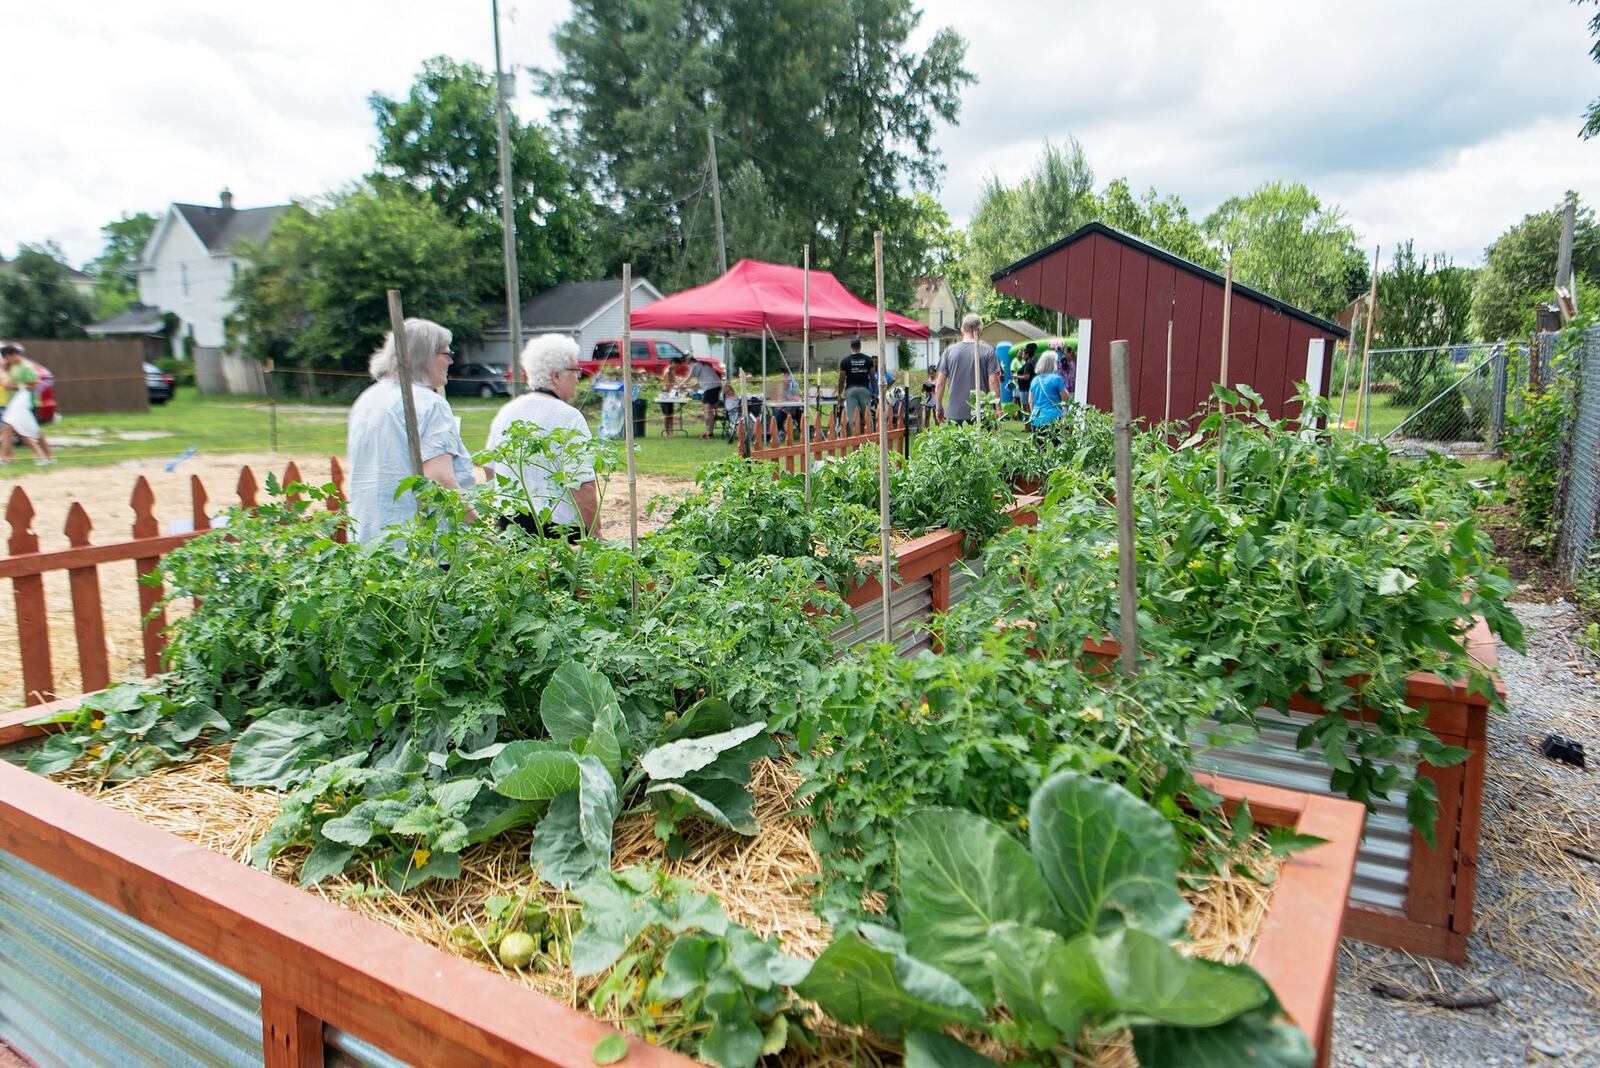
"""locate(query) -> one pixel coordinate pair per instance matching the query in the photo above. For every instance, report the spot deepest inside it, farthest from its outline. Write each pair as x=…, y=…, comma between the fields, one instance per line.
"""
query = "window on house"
x=234, y=267
x=183, y=277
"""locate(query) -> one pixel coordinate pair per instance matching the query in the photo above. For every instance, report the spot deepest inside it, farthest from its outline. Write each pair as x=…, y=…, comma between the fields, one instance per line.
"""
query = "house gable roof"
x=573, y=305
x=1020, y=326
x=1179, y=262
x=218, y=228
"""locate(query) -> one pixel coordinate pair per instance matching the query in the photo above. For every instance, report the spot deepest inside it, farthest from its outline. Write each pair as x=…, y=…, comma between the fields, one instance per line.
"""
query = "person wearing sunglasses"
x=380, y=458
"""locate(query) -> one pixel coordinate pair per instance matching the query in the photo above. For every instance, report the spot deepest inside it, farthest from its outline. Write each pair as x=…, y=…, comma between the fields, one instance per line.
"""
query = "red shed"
x=1119, y=287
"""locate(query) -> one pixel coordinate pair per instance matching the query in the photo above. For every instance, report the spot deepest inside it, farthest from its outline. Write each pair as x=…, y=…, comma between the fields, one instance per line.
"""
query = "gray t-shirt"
x=379, y=458
x=704, y=375
x=956, y=366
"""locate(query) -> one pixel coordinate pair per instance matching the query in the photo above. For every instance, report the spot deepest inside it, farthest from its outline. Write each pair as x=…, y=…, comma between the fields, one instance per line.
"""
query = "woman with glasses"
x=558, y=484
x=380, y=458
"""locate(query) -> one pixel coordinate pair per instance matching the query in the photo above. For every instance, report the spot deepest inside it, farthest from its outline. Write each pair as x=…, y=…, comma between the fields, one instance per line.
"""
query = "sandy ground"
x=106, y=492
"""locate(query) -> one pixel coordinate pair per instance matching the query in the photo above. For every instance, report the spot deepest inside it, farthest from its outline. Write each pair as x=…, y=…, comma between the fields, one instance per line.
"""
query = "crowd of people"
x=1040, y=377
x=555, y=501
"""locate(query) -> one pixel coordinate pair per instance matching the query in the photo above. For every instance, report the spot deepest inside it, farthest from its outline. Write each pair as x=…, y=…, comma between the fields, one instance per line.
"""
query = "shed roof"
x=1020, y=326
x=1089, y=229
x=136, y=318
x=570, y=305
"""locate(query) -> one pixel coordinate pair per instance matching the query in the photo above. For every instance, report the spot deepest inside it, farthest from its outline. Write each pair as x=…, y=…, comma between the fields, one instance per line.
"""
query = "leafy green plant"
x=1319, y=572
x=1536, y=436
x=126, y=732
x=680, y=973
x=556, y=457
x=1069, y=936
x=977, y=728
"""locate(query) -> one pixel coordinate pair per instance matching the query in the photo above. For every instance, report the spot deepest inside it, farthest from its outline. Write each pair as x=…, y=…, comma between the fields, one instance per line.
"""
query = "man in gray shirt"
x=956, y=382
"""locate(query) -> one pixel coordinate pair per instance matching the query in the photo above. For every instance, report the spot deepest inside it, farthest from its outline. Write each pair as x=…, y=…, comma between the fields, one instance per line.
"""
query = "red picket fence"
x=830, y=437
x=26, y=567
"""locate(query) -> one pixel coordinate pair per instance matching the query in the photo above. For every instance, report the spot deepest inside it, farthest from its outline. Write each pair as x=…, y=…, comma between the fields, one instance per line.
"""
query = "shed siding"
x=1130, y=292
x=1188, y=294
x=1270, y=352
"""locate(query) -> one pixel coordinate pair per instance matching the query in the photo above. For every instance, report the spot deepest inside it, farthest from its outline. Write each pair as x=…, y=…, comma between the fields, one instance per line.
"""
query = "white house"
x=188, y=268
x=588, y=312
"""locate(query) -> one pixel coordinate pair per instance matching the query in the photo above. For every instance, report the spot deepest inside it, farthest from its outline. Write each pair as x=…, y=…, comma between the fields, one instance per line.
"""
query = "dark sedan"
x=484, y=380
x=159, y=383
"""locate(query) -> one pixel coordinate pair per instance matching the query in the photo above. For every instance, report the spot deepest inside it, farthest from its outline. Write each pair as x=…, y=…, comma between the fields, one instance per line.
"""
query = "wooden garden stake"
x=1222, y=409
x=1122, y=424
x=1349, y=358
x=805, y=370
x=627, y=422
x=883, y=443
x=402, y=370
x=1363, y=400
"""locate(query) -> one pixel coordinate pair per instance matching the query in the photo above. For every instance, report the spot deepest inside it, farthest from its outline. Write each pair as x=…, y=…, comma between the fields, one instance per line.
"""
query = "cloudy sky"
x=1441, y=120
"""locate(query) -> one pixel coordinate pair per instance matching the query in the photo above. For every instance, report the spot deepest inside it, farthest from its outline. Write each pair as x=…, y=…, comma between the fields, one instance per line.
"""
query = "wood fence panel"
x=88, y=619
x=33, y=625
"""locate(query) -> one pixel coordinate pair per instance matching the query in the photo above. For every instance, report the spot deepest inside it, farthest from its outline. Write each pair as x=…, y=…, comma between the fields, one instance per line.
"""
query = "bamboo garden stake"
x=1349, y=358
x=402, y=370
x=1166, y=411
x=627, y=419
x=805, y=371
x=1122, y=424
x=1363, y=398
x=1222, y=408
x=883, y=443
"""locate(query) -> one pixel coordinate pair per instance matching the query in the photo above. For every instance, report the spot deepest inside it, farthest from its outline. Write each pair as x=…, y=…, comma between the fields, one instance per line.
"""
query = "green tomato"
x=517, y=949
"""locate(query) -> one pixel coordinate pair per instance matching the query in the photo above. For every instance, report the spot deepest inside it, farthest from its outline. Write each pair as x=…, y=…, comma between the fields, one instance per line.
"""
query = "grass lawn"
x=248, y=424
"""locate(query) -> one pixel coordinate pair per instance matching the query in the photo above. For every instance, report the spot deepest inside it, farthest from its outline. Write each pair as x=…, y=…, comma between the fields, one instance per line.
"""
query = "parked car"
x=158, y=383
x=44, y=395
x=479, y=380
x=650, y=357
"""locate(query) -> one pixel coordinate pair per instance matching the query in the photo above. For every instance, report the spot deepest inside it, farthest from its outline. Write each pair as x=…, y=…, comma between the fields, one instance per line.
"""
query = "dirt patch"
x=1535, y=575
x=106, y=495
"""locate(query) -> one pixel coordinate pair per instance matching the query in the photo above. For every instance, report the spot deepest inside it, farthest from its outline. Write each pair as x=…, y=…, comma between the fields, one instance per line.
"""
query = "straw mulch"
x=763, y=882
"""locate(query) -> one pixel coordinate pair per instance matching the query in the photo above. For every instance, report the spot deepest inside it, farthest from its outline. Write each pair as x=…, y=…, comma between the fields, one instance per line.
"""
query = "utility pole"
x=722, y=244
x=716, y=201
x=1564, y=282
x=508, y=218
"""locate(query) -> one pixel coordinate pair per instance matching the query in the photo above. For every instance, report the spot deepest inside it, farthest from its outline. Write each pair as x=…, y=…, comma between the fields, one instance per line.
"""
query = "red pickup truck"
x=650, y=357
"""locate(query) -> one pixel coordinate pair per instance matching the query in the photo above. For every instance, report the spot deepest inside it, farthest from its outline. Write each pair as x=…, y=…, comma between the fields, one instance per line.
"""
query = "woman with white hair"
x=559, y=488
x=1048, y=394
x=380, y=457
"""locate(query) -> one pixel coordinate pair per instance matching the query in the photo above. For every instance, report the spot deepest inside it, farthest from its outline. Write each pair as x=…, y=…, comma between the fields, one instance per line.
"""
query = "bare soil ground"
x=106, y=493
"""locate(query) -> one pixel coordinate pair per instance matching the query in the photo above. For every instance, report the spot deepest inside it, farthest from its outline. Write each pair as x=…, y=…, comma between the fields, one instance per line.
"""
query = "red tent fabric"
x=753, y=295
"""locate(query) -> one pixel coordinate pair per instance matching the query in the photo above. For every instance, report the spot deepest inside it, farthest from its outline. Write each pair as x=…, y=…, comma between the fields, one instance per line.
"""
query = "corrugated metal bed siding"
x=1271, y=758
x=344, y=1050
x=81, y=984
x=910, y=606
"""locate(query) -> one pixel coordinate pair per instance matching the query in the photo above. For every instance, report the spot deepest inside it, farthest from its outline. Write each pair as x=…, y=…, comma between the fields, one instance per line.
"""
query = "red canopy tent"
x=755, y=297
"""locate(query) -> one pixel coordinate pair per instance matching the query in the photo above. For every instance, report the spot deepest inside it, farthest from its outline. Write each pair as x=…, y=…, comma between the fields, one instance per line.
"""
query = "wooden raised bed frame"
x=1441, y=881
x=1437, y=918
x=317, y=963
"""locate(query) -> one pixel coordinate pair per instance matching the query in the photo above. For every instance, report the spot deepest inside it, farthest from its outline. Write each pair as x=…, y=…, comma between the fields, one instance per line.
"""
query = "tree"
x=441, y=142
x=825, y=97
x=37, y=299
x=1161, y=220
x=1422, y=301
x=315, y=292
x=116, y=284
x=1286, y=244
x=1053, y=199
x=1520, y=269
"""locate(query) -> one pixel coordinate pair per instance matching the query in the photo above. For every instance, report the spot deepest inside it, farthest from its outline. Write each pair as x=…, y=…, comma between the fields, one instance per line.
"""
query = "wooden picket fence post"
x=26, y=566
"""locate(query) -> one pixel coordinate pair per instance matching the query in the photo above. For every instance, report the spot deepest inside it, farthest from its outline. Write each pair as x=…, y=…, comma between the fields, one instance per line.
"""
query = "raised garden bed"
x=1407, y=895
x=330, y=980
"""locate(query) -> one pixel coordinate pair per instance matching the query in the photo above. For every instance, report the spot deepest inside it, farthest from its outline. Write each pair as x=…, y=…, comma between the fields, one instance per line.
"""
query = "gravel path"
x=1536, y=940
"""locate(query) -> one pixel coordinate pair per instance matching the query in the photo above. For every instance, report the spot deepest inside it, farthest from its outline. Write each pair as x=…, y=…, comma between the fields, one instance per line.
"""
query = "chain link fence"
x=1578, y=487
x=1449, y=398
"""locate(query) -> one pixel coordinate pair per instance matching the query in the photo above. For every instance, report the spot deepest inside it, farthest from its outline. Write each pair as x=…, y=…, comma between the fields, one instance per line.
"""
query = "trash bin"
x=641, y=408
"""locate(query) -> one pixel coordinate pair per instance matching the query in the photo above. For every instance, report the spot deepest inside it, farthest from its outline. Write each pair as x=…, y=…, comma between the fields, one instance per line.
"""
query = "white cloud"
x=1446, y=123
